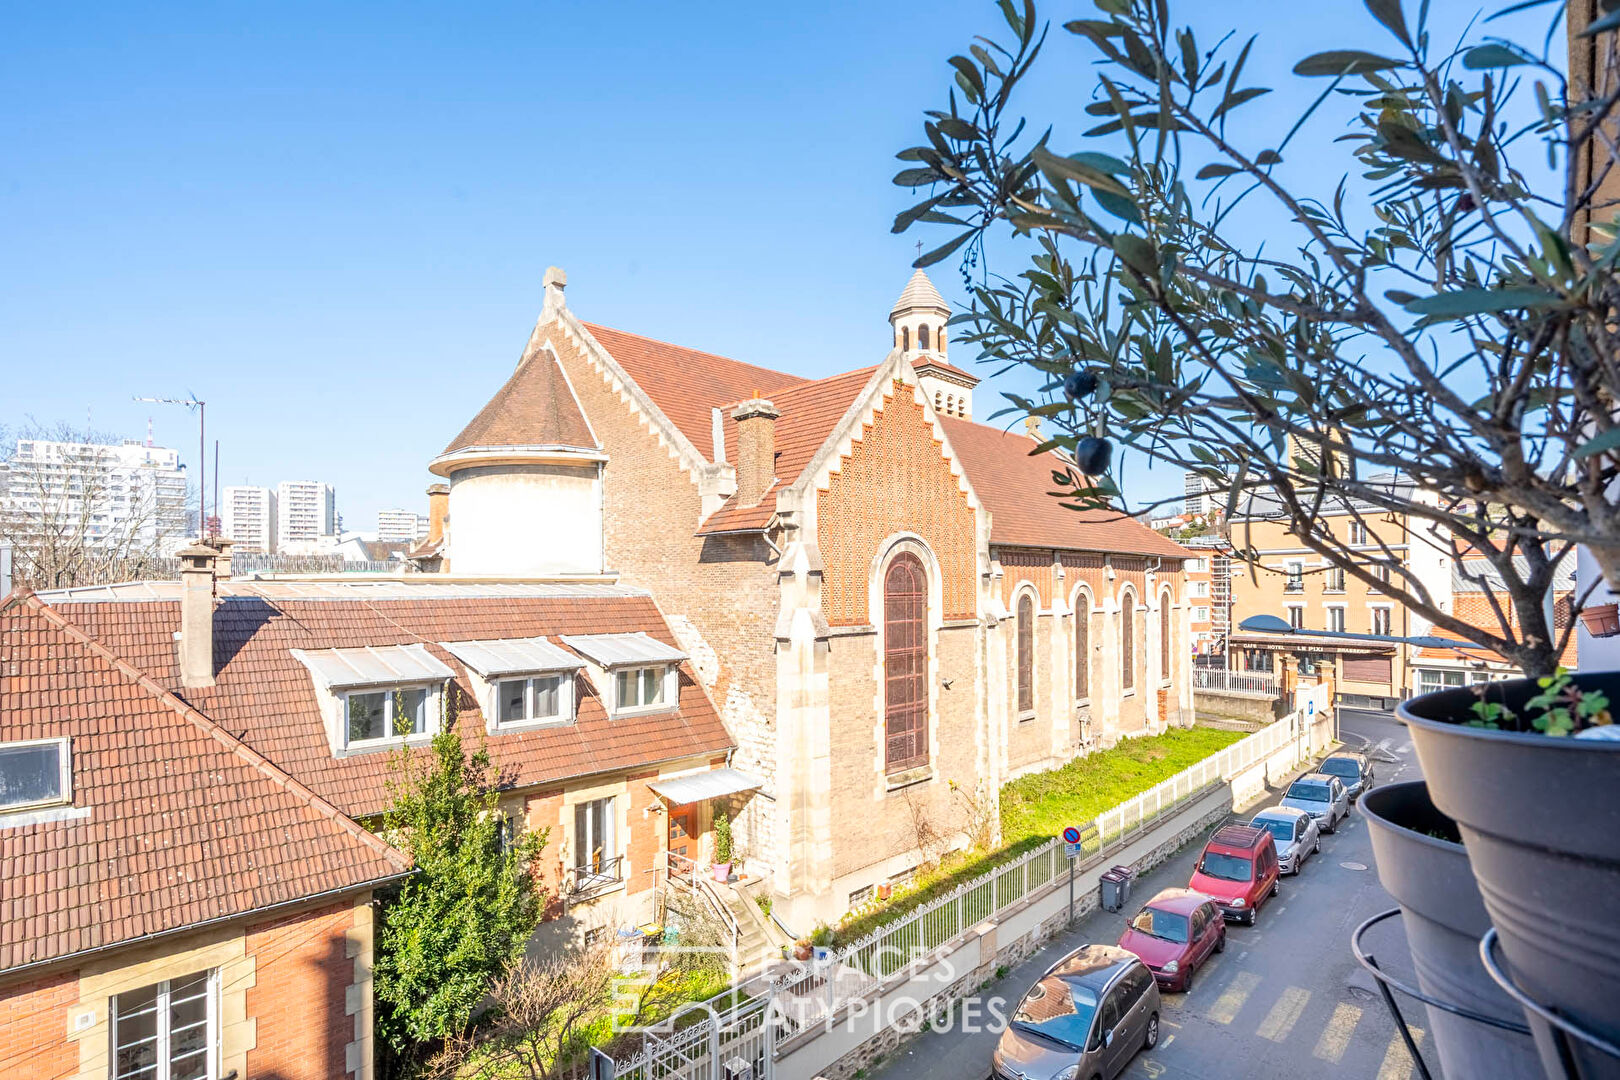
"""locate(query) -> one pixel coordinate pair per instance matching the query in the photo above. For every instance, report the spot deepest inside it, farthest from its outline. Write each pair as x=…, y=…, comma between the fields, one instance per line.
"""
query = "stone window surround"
x=1094, y=646
x=1027, y=588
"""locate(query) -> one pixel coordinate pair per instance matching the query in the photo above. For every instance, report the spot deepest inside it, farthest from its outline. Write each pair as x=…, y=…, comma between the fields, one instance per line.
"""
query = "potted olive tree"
x=723, y=843
x=1384, y=306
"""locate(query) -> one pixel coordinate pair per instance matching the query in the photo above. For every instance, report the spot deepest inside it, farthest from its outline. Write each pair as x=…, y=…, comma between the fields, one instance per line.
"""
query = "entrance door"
x=682, y=840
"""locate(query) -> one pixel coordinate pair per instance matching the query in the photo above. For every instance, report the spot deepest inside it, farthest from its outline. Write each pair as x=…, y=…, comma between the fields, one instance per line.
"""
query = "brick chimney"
x=756, y=449
x=438, y=511
x=202, y=564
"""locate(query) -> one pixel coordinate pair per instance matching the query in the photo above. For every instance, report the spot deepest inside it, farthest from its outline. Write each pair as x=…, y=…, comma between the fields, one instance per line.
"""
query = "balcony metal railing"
x=1294, y=585
x=1242, y=682
x=598, y=876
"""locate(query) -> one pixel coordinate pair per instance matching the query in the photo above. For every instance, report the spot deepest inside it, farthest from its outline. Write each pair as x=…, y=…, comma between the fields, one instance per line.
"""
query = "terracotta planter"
x=1540, y=817
x=1602, y=621
x=801, y=950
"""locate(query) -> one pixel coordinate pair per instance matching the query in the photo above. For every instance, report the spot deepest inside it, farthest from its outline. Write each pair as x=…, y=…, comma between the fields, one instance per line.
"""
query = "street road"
x=1286, y=999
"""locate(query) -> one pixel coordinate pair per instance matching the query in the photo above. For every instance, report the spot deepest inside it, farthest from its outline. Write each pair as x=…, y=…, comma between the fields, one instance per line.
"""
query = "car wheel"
x=1187, y=981
x=1220, y=942
x=1317, y=850
x=1274, y=887
x=1332, y=826
x=1248, y=918
x=1151, y=1039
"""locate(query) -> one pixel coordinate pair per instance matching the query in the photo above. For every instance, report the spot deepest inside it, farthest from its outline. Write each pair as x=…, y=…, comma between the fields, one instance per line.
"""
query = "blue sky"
x=331, y=221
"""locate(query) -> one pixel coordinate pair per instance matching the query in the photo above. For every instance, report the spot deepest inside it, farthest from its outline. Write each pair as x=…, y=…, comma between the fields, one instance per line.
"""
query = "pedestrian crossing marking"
x=1397, y=1062
x=1226, y=1007
x=1284, y=1015
x=1336, y=1036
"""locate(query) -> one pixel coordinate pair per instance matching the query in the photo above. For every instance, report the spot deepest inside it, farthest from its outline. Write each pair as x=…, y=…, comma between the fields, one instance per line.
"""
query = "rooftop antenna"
x=191, y=402
x=149, y=433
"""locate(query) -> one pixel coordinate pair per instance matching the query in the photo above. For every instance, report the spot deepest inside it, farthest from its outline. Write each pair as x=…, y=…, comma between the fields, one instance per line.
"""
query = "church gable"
x=895, y=478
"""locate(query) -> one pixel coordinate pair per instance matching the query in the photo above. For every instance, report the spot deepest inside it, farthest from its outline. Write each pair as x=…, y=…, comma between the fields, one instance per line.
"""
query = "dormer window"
x=377, y=697
x=520, y=682
x=640, y=672
x=35, y=773
x=640, y=688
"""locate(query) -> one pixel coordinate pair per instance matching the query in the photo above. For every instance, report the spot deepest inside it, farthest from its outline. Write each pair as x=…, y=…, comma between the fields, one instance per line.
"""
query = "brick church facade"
x=891, y=613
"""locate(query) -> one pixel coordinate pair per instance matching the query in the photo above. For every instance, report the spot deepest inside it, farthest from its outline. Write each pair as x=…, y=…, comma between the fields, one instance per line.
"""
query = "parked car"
x=1294, y=832
x=1174, y=934
x=1238, y=870
x=1355, y=771
x=1086, y=1017
x=1322, y=796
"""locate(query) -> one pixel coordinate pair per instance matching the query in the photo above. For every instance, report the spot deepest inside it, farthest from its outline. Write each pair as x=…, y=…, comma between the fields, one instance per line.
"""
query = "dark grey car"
x=1355, y=771
x=1082, y=1020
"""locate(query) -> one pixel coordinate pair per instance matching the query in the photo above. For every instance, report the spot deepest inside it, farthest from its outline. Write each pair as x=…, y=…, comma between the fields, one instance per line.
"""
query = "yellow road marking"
x=1284, y=1015
x=1397, y=1062
x=1226, y=1007
x=1336, y=1036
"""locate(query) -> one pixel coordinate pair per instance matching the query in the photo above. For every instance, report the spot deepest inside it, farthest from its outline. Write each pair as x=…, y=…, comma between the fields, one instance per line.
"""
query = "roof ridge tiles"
x=249, y=756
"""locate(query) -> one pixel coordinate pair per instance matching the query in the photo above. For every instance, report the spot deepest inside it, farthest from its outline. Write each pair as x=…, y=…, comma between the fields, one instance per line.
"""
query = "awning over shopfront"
x=1290, y=643
x=700, y=787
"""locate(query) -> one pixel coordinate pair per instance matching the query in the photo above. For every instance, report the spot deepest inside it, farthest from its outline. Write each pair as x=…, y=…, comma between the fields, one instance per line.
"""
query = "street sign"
x=1310, y=707
x=1073, y=851
x=1071, y=835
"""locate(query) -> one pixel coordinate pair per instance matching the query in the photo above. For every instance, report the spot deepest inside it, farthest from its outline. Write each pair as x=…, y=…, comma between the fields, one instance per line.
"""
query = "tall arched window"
x=1164, y=635
x=922, y=336
x=905, y=339
x=1082, y=647
x=1127, y=641
x=1026, y=653
x=905, y=664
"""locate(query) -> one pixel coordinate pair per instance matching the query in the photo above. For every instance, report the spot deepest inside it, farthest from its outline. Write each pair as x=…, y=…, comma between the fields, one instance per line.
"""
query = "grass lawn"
x=1036, y=808
x=1041, y=804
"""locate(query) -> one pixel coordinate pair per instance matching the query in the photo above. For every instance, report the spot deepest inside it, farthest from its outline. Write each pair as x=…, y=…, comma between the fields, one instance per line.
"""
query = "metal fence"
x=1242, y=682
x=777, y=1005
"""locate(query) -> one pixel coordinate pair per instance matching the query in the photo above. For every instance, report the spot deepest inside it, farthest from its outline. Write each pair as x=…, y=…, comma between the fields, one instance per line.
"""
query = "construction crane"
x=192, y=402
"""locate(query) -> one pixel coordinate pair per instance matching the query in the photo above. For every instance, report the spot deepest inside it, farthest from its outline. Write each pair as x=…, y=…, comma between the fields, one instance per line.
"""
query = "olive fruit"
x=1079, y=384
x=1092, y=455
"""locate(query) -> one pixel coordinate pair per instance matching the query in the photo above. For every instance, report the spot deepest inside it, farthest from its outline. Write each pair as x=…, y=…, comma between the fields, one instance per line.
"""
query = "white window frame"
x=64, y=773
x=1200, y=614
x=1291, y=608
x=161, y=1003
x=611, y=873
x=430, y=708
x=1198, y=589
x=565, y=700
x=1358, y=528
x=667, y=688
x=1343, y=620
x=1389, y=619
x=1440, y=677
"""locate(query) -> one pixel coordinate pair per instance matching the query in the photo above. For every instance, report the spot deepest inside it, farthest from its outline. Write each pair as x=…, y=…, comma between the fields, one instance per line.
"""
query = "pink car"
x=1174, y=934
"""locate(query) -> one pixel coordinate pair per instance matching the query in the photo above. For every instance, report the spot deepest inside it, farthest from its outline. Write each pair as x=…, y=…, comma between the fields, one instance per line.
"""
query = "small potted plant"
x=1529, y=769
x=802, y=949
x=723, y=850
x=1602, y=620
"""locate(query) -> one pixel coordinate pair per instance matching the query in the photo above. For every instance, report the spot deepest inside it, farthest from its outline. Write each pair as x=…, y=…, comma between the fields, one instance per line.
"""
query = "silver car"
x=1322, y=796
x=1295, y=834
x=1084, y=1019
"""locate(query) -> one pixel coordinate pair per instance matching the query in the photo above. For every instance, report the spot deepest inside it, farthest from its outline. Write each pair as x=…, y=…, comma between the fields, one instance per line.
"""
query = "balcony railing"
x=1294, y=584
x=1242, y=682
x=600, y=875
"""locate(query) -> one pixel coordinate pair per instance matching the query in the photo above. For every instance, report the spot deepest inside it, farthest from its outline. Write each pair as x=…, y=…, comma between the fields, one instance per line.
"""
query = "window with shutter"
x=905, y=664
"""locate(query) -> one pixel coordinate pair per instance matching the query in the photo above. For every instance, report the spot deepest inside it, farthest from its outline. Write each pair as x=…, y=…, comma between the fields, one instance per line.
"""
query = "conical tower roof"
x=919, y=295
x=535, y=409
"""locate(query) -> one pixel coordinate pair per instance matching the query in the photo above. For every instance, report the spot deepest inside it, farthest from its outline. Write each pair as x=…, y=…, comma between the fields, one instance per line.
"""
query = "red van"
x=1238, y=870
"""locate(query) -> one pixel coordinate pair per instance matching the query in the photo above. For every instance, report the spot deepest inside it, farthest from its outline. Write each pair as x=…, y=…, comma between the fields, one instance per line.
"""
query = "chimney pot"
x=756, y=449
x=439, y=507
x=200, y=564
x=555, y=282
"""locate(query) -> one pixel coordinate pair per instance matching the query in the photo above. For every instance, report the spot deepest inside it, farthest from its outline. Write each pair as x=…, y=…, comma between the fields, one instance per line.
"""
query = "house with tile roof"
x=892, y=613
x=190, y=769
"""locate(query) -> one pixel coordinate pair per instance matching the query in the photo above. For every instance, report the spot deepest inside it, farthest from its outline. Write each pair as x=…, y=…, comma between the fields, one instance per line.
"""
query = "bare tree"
x=539, y=1016
x=1414, y=329
x=75, y=515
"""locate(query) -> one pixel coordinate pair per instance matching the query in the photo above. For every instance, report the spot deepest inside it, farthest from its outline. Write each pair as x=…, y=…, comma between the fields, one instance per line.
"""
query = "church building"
x=891, y=613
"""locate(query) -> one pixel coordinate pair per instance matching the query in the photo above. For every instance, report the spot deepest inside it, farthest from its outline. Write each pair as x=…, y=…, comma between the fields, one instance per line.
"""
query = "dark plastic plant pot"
x=1540, y=817
x=1444, y=919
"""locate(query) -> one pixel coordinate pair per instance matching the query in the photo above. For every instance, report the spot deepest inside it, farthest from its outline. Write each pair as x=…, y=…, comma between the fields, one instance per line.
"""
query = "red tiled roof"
x=686, y=384
x=174, y=820
x=266, y=696
x=809, y=412
x=1475, y=610
x=534, y=408
x=1015, y=487
x=931, y=360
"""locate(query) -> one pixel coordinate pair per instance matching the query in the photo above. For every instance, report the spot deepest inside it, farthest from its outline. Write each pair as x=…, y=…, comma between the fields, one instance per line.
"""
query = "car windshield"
x=1281, y=828
x=1341, y=767
x=1309, y=790
x=1059, y=1010
x=1227, y=867
x=1161, y=924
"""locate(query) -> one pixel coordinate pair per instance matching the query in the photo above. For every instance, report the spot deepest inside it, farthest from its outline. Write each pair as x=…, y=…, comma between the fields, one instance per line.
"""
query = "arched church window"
x=1082, y=647
x=1026, y=653
x=1164, y=635
x=905, y=339
x=905, y=664
x=1127, y=641
x=922, y=336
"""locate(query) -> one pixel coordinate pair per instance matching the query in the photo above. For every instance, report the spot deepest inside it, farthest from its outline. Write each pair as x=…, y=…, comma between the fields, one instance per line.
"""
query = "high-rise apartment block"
x=396, y=524
x=248, y=516
x=130, y=495
x=306, y=510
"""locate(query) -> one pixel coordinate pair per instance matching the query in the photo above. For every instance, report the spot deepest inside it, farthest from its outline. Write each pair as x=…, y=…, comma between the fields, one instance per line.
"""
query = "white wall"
x=526, y=521
x=1594, y=654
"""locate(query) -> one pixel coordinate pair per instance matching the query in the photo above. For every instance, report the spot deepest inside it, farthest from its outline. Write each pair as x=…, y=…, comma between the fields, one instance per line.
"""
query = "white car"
x=1322, y=796
x=1295, y=833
